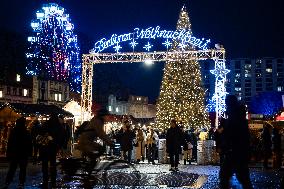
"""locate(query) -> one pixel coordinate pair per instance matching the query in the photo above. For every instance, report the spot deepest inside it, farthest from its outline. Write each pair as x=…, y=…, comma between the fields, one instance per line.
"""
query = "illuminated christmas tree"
x=54, y=52
x=182, y=94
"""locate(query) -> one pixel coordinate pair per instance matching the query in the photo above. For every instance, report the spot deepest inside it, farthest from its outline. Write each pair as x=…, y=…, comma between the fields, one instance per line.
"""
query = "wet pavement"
x=149, y=176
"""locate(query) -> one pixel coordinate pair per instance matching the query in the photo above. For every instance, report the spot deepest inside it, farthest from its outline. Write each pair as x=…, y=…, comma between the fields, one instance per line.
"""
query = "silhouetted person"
x=267, y=144
x=126, y=140
x=19, y=148
x=53, y=135
x=218, y=137
x=173, y=142
x=67, y=136
x=193, y=140
x=235, y=145
x=35, y=130
x=276, y=141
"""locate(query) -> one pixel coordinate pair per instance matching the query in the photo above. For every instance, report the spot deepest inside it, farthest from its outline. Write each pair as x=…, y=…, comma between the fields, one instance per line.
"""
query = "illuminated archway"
x=185, y=39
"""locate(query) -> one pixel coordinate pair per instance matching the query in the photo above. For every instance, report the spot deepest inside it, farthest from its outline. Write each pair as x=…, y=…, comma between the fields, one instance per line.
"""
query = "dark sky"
x=246, y=28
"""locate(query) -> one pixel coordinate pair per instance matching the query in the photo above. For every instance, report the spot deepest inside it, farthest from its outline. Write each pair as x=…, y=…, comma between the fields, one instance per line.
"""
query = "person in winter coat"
x=126, y=140
x=90, y=133
x=174, y=140
x=140, y=145
x=52, y=137
x=66, y=151
x=235, y=145
x=18, y=150
x=187, y=147
x=151, y=141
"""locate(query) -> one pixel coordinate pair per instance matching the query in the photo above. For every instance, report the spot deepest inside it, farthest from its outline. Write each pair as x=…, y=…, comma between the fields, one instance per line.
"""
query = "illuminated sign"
x=184, y=36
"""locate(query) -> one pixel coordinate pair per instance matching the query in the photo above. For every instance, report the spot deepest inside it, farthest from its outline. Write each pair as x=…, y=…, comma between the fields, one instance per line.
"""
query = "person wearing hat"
x=95, y=129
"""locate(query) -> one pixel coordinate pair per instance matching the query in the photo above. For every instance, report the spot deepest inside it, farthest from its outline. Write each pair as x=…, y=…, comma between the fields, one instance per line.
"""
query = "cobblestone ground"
x=152, y=176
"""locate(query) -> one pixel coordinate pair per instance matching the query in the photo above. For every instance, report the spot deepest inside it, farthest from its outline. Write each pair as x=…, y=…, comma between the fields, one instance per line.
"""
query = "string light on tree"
x=54, y=52
x=182, y=96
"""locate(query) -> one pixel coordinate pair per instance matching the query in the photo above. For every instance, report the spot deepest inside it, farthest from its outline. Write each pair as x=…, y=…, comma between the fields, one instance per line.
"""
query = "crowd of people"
x=141, y=144
x=44, y=141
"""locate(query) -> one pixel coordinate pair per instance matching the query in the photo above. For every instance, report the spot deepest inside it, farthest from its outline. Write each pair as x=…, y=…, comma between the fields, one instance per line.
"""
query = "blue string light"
x=148, y=46
x=54, y=52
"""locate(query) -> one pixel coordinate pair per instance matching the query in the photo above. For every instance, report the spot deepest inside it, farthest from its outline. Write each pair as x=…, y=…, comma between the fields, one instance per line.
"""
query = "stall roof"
x=37, y=109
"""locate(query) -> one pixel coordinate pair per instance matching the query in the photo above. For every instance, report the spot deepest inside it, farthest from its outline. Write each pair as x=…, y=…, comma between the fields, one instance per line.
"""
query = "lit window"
x=55, y=97
x=18, y=78
x=59, y=97
x=116, y=109
x=1, y=94
x=238, y=89
x=109, y=108
x=279, y=88
x=269, y=70
x=25, y=92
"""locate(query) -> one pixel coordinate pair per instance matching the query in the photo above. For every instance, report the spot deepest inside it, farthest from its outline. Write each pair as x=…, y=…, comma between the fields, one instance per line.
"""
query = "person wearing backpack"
x=19, y=148
x=52, y=135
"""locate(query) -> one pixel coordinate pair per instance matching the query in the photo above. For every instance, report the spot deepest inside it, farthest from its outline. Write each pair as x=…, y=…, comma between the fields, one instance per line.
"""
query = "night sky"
x=246, y=28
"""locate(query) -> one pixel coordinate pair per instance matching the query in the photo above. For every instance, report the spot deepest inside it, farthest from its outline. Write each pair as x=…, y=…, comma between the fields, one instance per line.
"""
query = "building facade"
x=137, y=106
x=117, y=107
x=50, y=92
x=16, y=89
x=31, y=90
x=247, y=77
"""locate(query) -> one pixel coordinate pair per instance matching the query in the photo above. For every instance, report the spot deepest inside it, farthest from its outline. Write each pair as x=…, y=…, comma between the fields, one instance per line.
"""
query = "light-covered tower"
x=182, y=94
x=53, y=53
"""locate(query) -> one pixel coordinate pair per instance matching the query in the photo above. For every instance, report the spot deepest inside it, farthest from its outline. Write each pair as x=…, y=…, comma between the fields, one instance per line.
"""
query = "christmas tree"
x=182, y=94
x=53, y=53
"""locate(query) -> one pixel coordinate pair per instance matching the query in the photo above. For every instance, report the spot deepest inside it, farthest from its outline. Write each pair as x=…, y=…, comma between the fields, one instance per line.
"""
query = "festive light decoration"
x=266, y=103
x=54, y=51
x=184, y=54
x=148, y=46
x=117, y=48
x=167, y=43
x=133, y=44
x=151, y=33
x=182, y=94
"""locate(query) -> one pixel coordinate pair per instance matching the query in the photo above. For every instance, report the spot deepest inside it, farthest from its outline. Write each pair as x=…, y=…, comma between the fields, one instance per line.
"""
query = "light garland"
x=151, y=33
x=54, y=51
